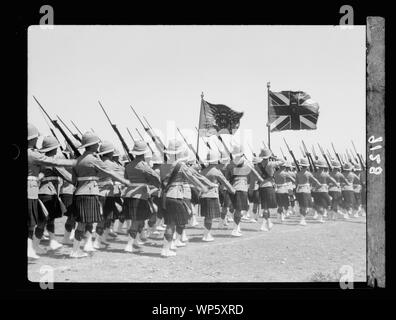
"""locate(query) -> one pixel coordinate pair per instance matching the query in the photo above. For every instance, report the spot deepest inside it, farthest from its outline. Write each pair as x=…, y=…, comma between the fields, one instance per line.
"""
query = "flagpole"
x=268, y=125
x=200, y=110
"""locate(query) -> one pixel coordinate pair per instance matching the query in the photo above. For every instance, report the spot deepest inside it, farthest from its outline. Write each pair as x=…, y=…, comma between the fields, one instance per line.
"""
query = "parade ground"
x=287, y=253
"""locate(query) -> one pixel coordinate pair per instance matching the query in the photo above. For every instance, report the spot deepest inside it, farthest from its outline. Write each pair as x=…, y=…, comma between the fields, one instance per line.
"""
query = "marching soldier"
x=254, y=193
x=335, y=189
x=175, y=211
x=87, y=203
x=50, y=185
x=224, y=196
x=136, y=197
x=357, y=189
x=348, y=194
x=210, y=206
x=267, y=192
x=107, y=198
x=291, y=169
x=304, y=178
x=282, y=180
x=238, y=174
x=322, y=199
x=36, y=160
x=67, y=195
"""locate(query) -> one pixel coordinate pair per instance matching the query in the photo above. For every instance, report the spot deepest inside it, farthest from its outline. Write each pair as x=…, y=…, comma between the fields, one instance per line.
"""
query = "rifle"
x=205, y=142
x=225, y=147
x=148, y=144
x=130, y=134
x=67, y=128
x=283, y=155
x=57, y=126
x=328, y=154
x=117, y=132
x=314, y=153
x=350, y=158
x=76, y=127
x=359, y=156
x=292, y=155
x=310, y=160
x=302, y=152
x=52, y=130
x=251, y=150
x=192, y=149
x=338, y=156
x=325, y=157
x=251, y=166
x=158, y=143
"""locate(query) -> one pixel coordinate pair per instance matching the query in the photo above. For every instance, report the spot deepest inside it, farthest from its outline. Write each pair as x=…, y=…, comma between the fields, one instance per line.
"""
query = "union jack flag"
x=217, y=118
x=292, y=110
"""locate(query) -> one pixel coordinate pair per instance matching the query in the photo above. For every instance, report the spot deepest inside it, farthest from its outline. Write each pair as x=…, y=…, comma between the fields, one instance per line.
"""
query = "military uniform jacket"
x=85, y=174
x=36, y=161
x=267, y=172
x=304, y=180
x=139, y=173
x=214, y=175
x=240, y=176
x=185, y=174
x=282, y=180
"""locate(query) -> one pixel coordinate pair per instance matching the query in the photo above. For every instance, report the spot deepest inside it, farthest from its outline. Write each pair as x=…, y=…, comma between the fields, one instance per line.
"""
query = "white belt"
x=282, y=185
x=50, y=179
x=32, y=178
x=87, y=178
x=136, y=184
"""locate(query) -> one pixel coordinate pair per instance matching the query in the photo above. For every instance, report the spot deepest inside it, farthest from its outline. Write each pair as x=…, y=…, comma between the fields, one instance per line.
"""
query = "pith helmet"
x=265, y=153
x=89, y=139
x=32, y=132
x=175, y=147
x=321, y=164
x=106, y=147
x=49, y=143
x=335, y=164
x=139, y=148
x=237, y=151
x=303, y=162
x=116, y=153
x=156, y=158
x=357, y=167
x=347, y=167
x=213, y=156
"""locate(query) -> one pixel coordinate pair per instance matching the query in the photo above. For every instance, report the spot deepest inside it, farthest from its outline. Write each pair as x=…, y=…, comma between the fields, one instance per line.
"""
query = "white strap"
x=32, y=178
x=87, y=178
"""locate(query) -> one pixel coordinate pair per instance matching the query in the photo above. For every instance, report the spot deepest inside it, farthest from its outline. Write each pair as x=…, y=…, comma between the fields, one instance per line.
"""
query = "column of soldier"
x=100, y=193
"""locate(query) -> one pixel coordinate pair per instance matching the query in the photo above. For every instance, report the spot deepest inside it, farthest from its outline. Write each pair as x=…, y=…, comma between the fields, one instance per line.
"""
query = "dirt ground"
x=288, y=252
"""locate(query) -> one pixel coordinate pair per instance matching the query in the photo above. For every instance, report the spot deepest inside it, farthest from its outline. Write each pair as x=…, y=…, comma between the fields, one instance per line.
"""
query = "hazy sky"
x=161, y=71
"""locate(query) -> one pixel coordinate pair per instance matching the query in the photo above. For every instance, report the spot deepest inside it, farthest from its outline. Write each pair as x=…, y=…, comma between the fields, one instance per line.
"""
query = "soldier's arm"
x=223, y=181
x=314, y=180
x=64, y=174
x=101, y=166
x=42, y=160
x=290, y=177
x=345, y=180
x=192, y=178
x=151, y=176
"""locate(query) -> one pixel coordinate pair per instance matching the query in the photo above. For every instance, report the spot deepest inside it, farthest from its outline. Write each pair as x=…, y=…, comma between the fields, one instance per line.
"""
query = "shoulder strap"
x=173, y=175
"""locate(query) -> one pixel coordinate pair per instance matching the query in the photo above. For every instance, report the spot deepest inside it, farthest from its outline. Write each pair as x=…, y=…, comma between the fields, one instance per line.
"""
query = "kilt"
x=348, y=199
x=136, y=209
x=88, y=208
x=314, y=196
x=254, y=196
x=283, y=200
x=358, y=199
x=240, y=201
x=176, y=212
x=194, y=196
x=67, y=200
x=210, y=208
x=109, y=208
x=268, y=198
x=52, y=205
x=304, y=199
x=118, y=207
x=322, y=199
x=225, y=199
x=35, y=214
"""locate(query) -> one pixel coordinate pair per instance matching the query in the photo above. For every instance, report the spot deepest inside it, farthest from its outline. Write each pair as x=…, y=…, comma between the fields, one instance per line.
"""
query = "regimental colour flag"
x=217, y=119
x=292, y=110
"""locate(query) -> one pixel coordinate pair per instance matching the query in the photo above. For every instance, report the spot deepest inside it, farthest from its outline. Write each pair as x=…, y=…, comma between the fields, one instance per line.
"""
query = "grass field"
x=288, y=252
